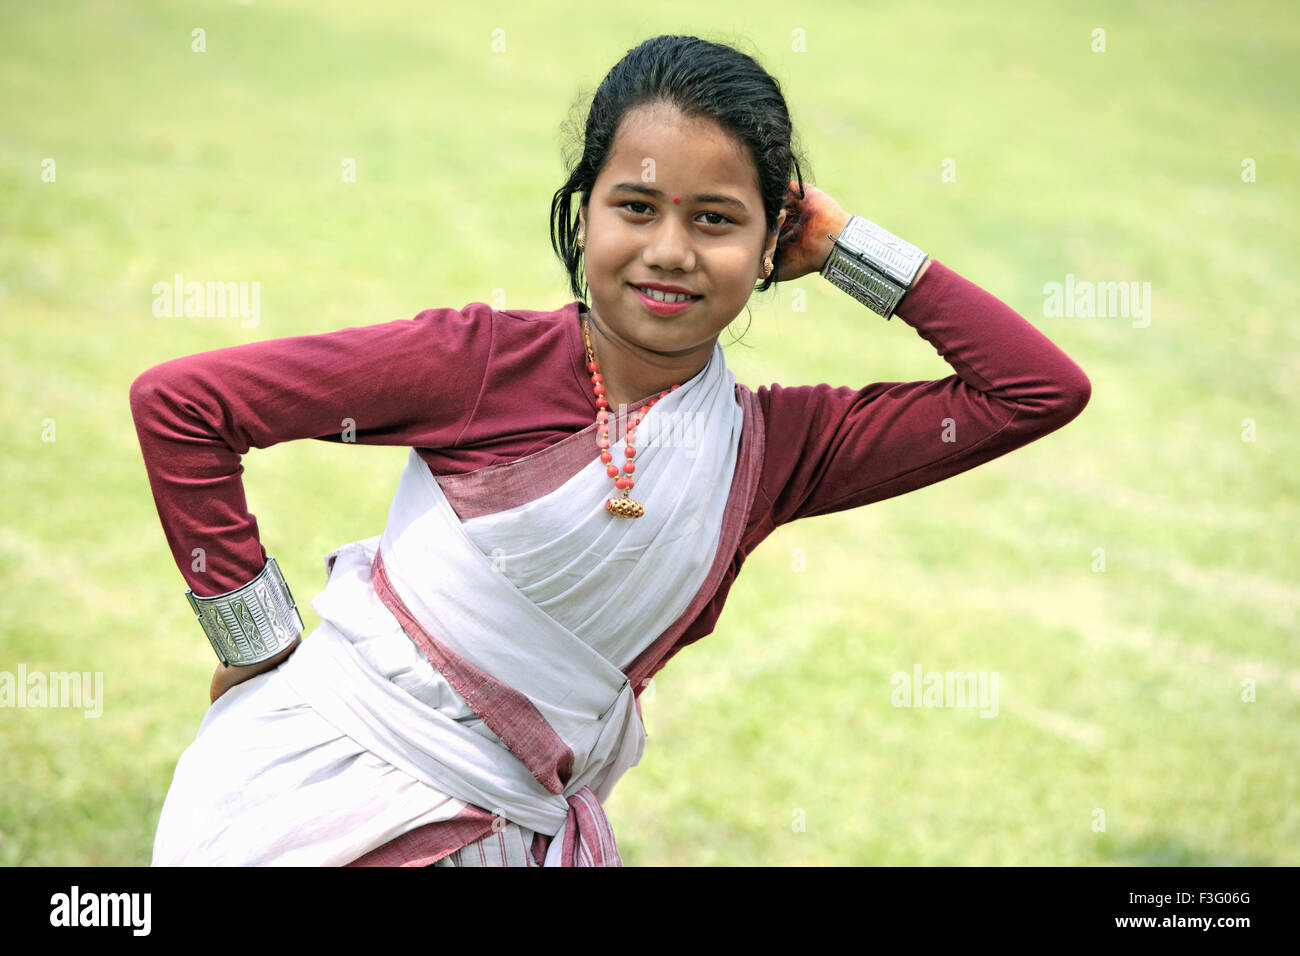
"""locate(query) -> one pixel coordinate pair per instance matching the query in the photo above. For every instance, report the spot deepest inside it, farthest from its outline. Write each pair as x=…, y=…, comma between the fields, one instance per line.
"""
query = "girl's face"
x=711, y=243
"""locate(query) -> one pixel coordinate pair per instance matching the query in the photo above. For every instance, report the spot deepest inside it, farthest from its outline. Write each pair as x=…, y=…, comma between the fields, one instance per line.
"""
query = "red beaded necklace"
x=625, y=506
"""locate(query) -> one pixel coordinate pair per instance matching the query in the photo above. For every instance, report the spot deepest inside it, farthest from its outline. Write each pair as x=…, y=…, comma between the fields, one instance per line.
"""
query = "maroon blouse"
x=474, y=387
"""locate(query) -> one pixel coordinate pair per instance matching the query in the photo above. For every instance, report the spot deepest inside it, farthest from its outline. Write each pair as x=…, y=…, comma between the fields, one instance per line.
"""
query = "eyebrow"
x=702, y=197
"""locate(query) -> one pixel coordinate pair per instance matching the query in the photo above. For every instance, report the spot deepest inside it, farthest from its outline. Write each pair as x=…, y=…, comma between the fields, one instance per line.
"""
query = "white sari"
x=532, y=614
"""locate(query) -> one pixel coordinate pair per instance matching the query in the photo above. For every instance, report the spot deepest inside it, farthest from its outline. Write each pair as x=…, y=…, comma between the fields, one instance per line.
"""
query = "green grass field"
x=772, y=741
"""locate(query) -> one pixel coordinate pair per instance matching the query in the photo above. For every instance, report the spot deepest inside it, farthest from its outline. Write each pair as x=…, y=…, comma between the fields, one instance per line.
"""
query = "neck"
x=632, y=373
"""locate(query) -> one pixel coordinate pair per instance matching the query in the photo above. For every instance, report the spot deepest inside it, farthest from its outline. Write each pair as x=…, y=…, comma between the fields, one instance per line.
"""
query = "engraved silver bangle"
x=873, y=265
x=252, y=623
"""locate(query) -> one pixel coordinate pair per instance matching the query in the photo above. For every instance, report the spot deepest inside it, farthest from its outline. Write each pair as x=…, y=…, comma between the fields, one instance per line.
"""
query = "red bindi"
x=677, y=199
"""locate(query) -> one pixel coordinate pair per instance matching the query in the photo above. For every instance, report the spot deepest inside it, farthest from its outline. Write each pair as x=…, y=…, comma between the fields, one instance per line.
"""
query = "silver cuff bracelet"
x=252, y=623
x=873, y=265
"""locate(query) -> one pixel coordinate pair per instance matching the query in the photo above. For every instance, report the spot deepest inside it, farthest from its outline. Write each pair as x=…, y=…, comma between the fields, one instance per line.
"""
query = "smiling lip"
x=660, y=287
x=663, y=308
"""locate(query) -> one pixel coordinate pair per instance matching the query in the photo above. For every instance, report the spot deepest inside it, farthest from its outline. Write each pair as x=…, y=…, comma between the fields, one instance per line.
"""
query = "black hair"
x=703, y=80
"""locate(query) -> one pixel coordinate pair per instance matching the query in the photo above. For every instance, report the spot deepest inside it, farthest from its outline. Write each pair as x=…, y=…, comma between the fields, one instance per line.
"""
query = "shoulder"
x=482, y=318
x=532, y=324
x=480, y=327
x=473, y=318
x=526, y=337
x=539, y=316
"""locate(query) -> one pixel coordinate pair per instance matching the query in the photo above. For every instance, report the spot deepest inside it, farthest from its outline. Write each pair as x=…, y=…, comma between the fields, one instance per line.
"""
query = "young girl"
x=582, y=488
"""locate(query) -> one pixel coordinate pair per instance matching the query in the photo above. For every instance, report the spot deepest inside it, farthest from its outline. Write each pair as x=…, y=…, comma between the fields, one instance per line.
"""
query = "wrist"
x=227, y=676
x=873, y=265
x=253, y=624
x=828, y=227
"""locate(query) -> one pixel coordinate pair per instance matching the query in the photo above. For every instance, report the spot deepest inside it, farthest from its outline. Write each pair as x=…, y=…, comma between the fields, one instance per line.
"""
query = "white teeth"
x=666, y=296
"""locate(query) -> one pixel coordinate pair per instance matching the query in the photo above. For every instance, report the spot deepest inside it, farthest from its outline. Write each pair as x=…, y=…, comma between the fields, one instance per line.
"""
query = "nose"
x=670, y=246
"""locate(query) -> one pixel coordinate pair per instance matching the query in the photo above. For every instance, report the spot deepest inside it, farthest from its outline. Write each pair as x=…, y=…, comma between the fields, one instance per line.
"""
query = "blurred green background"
x=1120, y=691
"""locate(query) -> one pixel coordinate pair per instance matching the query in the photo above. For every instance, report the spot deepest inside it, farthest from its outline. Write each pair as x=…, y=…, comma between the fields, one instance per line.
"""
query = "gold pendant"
x=625, y=507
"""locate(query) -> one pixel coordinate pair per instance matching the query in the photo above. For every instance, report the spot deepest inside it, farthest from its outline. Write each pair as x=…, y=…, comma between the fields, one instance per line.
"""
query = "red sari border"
x=740, y=502
x=508, y=713
x=428, y=844
x=469, y=497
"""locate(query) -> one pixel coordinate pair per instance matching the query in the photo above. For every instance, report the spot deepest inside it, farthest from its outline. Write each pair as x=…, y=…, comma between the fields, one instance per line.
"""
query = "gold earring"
x=767, y=266
x=582, y=241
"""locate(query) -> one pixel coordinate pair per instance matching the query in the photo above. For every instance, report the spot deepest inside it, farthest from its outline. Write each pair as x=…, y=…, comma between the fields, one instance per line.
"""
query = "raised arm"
x=832, y=448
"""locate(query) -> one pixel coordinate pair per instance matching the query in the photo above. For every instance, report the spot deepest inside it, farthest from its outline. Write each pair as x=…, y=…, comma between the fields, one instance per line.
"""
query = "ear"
x=771, y=240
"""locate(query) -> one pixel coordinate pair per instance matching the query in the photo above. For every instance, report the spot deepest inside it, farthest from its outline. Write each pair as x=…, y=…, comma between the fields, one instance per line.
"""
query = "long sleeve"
x=408, y=382
x=830, y=449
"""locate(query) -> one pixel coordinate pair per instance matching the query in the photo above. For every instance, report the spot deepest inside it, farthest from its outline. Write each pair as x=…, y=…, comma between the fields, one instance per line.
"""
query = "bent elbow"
x=141, y=394
x=1070, y=401
x=1062, y=405
x=1076, y=397
x=148, y=391
x=1080, y=394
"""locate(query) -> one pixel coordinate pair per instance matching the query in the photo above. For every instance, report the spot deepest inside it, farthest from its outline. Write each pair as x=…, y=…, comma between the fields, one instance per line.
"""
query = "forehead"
x=684, y=149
